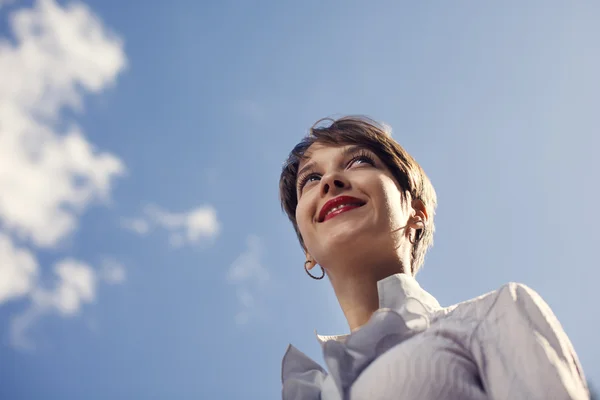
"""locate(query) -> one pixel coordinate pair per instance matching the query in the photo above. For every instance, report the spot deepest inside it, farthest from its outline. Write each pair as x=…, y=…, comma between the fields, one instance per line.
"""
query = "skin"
x=364, y=245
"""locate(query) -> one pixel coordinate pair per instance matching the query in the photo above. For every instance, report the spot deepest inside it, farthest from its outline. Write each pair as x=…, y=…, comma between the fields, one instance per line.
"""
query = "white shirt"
x=506, y=344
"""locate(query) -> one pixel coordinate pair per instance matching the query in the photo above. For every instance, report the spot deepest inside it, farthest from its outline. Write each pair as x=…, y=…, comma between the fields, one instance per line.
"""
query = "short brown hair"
x=366, y=133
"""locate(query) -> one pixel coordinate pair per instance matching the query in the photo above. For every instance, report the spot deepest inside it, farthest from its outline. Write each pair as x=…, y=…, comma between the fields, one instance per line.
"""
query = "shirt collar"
x=394, y=291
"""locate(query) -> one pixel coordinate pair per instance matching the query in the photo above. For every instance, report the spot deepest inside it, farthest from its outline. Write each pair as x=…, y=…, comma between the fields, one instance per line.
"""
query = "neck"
x=356, y=289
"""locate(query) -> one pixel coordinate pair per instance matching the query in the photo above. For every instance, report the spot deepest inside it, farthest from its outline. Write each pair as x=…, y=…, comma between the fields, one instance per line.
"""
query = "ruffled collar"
x=393, y=293
x=405, y=310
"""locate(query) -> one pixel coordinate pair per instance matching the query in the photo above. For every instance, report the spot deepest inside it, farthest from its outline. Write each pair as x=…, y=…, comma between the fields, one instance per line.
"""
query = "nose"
x=333, y=183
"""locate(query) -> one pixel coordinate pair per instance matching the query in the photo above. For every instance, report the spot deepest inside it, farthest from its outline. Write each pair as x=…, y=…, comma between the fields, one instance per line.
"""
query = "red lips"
x=345, y=203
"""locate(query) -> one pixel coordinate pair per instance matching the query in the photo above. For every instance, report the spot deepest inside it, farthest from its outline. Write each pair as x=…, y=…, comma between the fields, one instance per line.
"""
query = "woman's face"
x=348, y=203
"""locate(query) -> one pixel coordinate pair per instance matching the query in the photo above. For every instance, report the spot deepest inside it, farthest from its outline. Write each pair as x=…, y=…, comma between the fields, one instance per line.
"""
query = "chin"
x=348, y=237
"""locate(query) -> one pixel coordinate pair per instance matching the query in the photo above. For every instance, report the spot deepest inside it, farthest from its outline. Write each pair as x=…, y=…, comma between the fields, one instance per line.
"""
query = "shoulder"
x=511, y=307
x=525, y=329
x=509, y=300
x=518, y=297
x=510, y=294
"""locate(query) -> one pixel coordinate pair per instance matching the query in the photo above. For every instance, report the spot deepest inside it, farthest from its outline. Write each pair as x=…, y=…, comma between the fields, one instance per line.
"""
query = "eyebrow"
x=306, y=167
x=345, y=153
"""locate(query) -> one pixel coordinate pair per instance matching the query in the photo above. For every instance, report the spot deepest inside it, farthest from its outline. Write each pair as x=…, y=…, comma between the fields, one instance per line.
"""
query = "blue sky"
x=143, y=250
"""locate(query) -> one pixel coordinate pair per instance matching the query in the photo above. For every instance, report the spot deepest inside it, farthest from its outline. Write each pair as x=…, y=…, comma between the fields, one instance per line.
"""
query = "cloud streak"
x=189, y=227
x=249, y=276
x=75, y=285
x=18, y=270
x=113, y=272
x=49, y=172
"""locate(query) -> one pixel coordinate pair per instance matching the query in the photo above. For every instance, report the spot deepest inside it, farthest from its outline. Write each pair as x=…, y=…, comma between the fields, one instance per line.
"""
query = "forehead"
x=318, y=152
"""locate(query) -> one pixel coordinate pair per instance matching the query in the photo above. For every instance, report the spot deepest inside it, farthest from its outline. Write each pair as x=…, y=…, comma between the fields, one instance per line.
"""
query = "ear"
x=419, y=217
x=310, y=262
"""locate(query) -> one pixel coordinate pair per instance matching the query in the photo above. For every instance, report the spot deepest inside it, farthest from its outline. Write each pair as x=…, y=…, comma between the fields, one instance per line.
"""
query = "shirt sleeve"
x=522, y=351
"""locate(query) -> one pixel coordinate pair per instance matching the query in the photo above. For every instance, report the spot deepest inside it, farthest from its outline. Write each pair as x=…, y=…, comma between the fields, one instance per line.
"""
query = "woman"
x=363, y=211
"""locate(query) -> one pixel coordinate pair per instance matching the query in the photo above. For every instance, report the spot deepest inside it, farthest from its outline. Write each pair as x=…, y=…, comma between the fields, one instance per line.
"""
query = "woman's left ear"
x=420, y=216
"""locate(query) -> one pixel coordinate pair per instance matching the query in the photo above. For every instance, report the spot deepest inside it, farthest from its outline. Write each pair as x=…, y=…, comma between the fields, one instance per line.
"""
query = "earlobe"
x=417, y=222
x=309, y=263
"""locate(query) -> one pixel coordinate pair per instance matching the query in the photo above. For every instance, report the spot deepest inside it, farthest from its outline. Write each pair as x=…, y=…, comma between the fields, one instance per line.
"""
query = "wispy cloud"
x=49, y=172
x=113, y=272
x=249, y=276
x=189, y=227
x=18, y=270
x=136, y=225
x=75, y=284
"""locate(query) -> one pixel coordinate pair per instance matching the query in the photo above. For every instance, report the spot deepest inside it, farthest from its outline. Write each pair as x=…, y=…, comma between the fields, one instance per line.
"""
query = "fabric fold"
x=302, y=378
x=346, y=359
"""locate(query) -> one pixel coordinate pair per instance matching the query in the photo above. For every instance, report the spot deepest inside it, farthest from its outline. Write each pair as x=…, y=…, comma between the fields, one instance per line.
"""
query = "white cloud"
x=49, y=172
x=75, y=284
x=20, y=325
x=18, y=270
x=248, y=267
x=48, y=176
x=137, y=225
x=249, y=276
x=194, y=225
x=246, y=298
x=113, y=272
x=188, y=227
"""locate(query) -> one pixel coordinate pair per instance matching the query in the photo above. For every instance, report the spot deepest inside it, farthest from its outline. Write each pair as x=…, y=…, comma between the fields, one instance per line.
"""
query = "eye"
x=361, y=159
x=308, y=178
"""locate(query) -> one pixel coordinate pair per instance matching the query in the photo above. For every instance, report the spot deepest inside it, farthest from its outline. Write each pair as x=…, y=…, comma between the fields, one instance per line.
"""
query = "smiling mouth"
x=339, y=205
x=339, y=210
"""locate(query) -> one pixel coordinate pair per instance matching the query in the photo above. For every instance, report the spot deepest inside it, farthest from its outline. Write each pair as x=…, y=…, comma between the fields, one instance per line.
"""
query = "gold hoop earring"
x=311, y=275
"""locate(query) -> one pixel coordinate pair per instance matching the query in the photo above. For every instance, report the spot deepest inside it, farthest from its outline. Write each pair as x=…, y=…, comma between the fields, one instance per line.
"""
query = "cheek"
x=306, y=228
x=392, y=198
x=303, y=217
